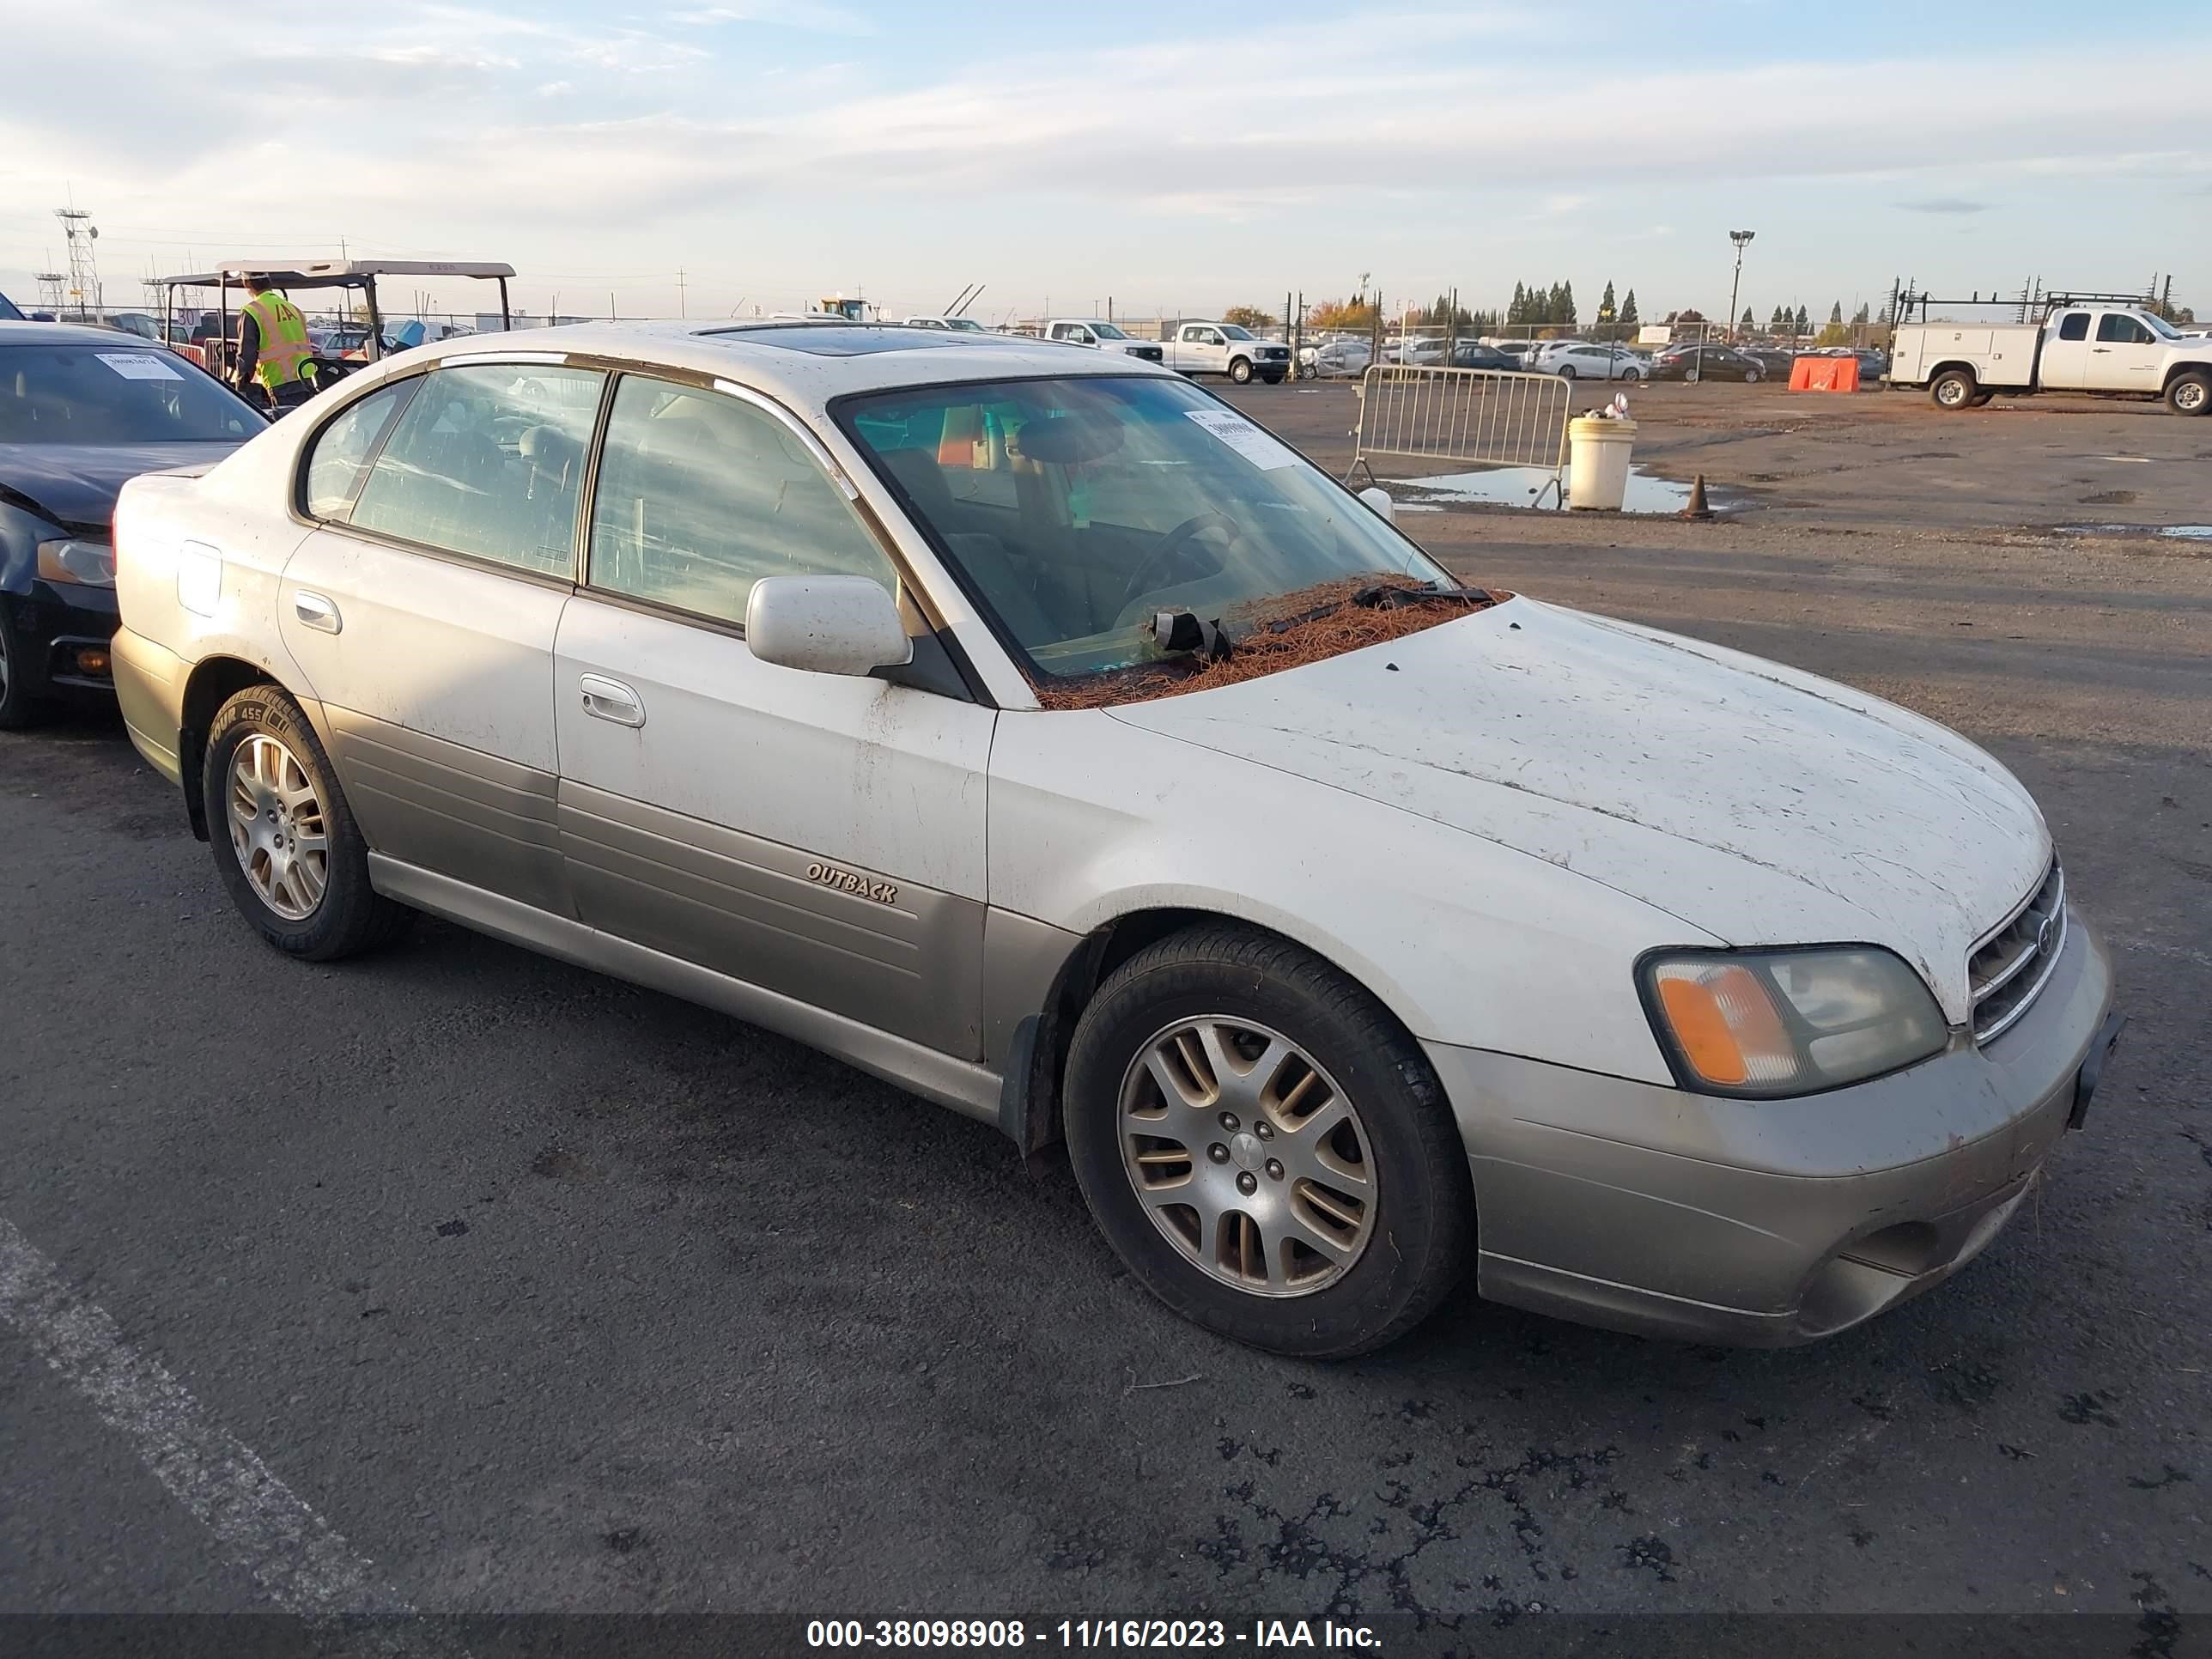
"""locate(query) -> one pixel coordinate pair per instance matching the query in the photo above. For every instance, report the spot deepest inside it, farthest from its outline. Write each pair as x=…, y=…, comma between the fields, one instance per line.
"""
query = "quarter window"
x=340, y=456
x=700, y=495
x=488, y=461
x=2075, y=325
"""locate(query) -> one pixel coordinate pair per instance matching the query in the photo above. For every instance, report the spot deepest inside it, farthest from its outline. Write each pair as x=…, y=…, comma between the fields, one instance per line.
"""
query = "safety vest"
x=284, y=344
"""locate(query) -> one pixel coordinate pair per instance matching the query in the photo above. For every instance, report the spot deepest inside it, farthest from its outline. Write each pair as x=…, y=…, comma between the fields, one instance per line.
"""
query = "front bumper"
x=58, y=624
x=1768, y=1223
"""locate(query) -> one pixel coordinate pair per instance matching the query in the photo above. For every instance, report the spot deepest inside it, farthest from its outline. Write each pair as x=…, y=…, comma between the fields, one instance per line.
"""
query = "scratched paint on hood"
x=1756, y=803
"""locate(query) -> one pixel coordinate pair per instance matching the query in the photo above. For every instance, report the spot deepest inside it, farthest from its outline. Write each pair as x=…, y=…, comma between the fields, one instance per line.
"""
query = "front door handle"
x=316, y=611
x=610, y=700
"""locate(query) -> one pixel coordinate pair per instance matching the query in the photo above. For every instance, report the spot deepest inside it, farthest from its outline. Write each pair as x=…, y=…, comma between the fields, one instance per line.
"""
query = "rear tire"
x=1380, y=1179
x=284, y=840
x=1240, y=370
x=1753, y=377
x=1566, y=371
x=2191, y=393
x=1954, y=388
x=19, y=709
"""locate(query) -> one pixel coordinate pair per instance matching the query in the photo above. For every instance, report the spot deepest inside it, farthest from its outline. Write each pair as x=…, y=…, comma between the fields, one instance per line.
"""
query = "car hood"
x=1758, y=804
x=75, y=485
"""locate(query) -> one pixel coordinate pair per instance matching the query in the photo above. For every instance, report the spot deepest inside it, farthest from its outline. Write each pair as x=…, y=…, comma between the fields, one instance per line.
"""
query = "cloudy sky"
x=1171, y=157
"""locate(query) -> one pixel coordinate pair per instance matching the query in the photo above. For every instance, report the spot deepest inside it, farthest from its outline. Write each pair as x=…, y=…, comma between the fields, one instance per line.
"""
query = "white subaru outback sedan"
x=1029, y=728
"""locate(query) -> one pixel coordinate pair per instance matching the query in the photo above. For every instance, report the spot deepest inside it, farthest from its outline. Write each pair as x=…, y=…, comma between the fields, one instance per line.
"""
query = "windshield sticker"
x=1247, y=440
x=138, y=365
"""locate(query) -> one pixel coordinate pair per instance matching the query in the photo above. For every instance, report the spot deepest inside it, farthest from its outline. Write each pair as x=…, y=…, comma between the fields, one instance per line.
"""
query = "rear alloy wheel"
x=1240, y=370
x=1692, y=376
x=1954, y=388
x=1753, y=377
x=2191, y=393
x=283, y=838
x=1264, y=1146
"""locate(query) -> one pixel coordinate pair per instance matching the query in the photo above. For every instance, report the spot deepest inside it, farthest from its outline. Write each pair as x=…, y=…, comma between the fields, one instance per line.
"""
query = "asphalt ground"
x=457, y=1279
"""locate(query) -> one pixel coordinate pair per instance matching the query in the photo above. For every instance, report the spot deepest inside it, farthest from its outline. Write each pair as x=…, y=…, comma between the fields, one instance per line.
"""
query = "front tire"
x=284, y=840
x=1240, y=370
x=1265, y=1147
x=2191, y=393
x=1631, y=375
x=1954, y=388
x=19, y=709
x=1566, y=371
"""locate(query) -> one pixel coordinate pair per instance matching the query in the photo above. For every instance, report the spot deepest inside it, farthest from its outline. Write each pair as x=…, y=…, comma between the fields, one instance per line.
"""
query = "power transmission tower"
x=83, y=268
x=52, y=286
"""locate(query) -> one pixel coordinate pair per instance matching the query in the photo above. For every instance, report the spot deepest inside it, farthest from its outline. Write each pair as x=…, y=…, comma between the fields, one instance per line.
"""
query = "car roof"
x=799, y=362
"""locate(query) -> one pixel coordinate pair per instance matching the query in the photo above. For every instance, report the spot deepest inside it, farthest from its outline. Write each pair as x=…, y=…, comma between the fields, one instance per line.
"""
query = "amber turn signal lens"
x=1725, y=1024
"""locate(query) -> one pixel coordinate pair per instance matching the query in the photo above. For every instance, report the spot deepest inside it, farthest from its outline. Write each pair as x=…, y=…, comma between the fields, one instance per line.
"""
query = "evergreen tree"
x=1518, y=310
x=1628, y=310
x=1859, y=318
x=1566, y=305
x=1605, y=305
x=1804, y=321
x=1778, y=322
x=1750, y=323
x=1836, y=313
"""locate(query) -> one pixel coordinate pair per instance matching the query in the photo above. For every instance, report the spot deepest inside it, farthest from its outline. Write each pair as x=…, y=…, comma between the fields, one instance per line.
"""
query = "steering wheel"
x=1174, y=545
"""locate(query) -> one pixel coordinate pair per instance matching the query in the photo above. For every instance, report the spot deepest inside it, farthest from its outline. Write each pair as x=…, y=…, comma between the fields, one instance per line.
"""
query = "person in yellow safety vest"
x=273, y=347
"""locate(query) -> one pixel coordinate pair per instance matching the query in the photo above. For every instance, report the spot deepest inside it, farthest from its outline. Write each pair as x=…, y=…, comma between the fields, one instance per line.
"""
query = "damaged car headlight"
x=1768, y=1023
x=75, y=560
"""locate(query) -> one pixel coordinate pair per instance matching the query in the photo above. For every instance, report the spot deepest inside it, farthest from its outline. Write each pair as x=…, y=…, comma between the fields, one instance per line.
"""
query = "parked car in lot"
x=957, y=325
x=82, y=409
x=1334, y=359
x=1227, y=348
x=1705, y=362
x=1105, y=336
x=1573, y=360
x=1775, y=362
x=862, y=683
x=1473, y=354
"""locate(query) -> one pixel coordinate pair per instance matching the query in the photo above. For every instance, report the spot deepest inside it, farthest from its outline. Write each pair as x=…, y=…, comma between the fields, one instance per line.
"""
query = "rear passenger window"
x=488, y=461
x=2075, y=326
x=700, y=495
x=342, y=449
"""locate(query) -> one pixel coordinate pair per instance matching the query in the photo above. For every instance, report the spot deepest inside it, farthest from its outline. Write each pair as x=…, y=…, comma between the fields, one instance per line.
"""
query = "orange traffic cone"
x=1696, y=508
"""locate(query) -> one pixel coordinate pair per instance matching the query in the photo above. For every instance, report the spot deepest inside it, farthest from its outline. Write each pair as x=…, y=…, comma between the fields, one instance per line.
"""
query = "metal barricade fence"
x=1475, y=416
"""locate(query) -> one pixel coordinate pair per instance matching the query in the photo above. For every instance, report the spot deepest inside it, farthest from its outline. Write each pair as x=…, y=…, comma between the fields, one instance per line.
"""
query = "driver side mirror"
x=826, y=624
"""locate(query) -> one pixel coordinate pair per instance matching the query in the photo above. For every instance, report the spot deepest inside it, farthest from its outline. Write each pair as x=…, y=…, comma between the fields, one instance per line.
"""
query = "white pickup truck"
x=1227, y=348
x=2103, y=348
x=1091, y=332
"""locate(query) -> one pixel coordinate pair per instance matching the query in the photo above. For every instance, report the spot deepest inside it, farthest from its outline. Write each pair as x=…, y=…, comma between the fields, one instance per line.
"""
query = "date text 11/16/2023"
x=974, y=1634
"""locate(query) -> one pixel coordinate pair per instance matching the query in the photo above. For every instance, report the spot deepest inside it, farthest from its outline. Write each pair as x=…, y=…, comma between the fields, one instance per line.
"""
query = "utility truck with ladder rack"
x=2103, y=345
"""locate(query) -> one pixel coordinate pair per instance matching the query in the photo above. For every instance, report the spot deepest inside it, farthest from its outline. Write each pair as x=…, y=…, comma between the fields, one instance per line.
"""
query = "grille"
x=2009, y=969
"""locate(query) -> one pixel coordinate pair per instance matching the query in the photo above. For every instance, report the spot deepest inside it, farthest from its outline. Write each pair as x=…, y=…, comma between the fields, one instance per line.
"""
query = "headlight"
x=70, y=559
x=1769, y=1023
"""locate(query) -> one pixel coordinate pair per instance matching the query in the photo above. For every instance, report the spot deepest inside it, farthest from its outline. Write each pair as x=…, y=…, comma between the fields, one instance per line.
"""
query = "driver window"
x=2122, y=329
x=700, y=495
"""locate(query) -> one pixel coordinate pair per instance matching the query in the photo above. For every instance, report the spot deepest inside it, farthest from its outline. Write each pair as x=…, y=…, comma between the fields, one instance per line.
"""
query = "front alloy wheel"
x=1248, y=1156
x=1265, y=1146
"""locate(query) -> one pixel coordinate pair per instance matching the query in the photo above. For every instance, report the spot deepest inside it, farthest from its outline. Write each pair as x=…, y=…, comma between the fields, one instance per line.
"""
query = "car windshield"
x=1107, y=331
x=2164, y=330
x=1075, y=510
x=103, y=395
x=8, y=312
x=967, y=323
x=1233, y=332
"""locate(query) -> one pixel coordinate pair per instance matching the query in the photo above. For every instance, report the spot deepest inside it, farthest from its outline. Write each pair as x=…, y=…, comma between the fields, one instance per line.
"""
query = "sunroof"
x=832, y=340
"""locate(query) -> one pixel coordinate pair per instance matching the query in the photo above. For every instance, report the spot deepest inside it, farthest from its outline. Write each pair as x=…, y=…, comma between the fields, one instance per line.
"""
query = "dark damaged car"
x=82, y=411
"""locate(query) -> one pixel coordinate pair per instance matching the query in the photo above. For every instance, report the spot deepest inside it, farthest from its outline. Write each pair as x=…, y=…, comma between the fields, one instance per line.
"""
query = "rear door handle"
x=317, y=612
x=610, y=700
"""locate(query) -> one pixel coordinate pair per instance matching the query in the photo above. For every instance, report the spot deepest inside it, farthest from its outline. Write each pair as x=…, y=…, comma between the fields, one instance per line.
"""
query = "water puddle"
x=2179, y=533
x=1520, y=486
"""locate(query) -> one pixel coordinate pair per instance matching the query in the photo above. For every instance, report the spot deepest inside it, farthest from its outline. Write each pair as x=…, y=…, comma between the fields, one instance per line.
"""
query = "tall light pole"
x=1742, y=240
